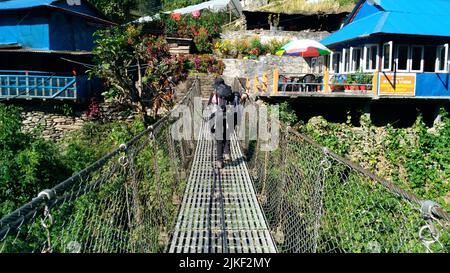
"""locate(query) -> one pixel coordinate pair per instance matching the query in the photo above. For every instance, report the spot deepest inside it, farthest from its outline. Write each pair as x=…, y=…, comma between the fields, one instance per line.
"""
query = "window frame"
x=352, y=62
x=339, y=61
x=437, y=64
x=377, y=58
x=422, y=58
x=391, y=54
x=408, y=58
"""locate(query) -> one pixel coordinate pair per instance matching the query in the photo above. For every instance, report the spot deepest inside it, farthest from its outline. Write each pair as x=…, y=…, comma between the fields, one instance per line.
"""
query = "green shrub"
x=28, y=163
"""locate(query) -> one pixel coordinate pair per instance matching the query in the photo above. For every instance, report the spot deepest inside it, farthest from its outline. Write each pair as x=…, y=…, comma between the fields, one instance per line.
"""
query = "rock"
x=59, y=120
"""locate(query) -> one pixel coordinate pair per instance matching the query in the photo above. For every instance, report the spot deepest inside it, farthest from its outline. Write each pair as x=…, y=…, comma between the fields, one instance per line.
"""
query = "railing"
x=300, y=83
x=37, y=85
x=317, y=201
x=351, y=82
x=125, y=202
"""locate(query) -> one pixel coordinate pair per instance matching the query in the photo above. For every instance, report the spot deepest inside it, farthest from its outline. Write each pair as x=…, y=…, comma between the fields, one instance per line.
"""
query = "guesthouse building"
x=402, y=44
x=44, y=48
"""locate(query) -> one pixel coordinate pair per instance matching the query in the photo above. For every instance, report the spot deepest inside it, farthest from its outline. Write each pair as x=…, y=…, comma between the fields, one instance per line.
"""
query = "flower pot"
x=362, y=87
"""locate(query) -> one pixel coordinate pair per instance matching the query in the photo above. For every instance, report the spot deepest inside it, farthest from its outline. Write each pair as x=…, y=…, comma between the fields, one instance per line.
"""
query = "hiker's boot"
x=219, y=164
x=227, y=157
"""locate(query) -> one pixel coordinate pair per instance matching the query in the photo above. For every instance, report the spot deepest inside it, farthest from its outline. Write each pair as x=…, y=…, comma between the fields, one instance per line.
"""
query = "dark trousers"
x=223, y=147
x=223, y=143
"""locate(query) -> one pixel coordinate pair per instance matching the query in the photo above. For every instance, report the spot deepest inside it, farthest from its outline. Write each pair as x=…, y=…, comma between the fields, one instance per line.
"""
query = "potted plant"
x=363, y=80
x=350, y=80
x=336, y=84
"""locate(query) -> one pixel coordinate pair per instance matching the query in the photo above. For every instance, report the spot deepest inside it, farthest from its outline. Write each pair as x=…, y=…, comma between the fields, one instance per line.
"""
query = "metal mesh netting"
x=126, y=202
x=315, y=201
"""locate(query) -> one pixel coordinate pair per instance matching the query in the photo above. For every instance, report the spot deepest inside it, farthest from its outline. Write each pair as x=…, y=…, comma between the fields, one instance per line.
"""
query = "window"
x=442, y=58
x=370, y=58
x=356, y=59
x=387, y=56
x=313, y=65
x=417, y=58
x=429, y=59
x=336, y=62
x=320, y=62
x=346, y=61
x=402, y=58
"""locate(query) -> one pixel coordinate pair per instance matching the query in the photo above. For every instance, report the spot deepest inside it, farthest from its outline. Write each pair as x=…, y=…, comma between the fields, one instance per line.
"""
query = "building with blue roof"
x=42, y=43
x=404, y=44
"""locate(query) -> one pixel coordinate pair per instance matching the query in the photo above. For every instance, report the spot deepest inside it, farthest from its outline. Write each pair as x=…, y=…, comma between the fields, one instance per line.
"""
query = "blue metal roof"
x=409, y=17
x=24, y=4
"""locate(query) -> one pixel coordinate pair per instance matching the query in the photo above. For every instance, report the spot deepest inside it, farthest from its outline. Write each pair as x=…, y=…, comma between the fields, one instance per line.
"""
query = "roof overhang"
x=29, y=50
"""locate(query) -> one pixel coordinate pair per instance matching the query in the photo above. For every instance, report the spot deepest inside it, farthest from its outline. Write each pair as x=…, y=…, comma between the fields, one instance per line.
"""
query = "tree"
x=138, y=68
x=116, y=10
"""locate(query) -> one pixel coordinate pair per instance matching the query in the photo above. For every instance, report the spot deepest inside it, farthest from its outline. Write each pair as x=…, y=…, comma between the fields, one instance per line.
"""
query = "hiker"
x=223, y=98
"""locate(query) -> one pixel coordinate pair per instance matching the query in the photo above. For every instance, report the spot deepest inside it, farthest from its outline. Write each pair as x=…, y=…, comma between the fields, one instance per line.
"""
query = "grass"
x=294, y=6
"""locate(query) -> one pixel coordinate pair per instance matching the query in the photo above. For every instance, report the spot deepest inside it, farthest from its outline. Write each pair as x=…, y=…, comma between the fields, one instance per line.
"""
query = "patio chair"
x=308, y=82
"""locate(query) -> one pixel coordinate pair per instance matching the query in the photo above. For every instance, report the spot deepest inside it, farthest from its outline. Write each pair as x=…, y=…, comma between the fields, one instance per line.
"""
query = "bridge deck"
x=208, y=223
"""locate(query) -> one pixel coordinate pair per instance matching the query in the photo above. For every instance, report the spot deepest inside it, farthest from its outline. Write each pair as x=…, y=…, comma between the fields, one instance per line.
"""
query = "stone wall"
x=55, y=125
x=57, y=119
x=267, y=35
x=250, y=68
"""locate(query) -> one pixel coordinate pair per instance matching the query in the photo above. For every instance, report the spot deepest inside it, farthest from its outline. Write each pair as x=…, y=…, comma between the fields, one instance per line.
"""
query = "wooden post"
x=375, y=84
x=256, y=85
x=326, y=81
x=265, y=83
x=276, y=78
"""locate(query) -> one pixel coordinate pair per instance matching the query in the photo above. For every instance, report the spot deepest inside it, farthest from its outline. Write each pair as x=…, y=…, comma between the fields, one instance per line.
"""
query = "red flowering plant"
x=139, y=69
x=205, y=64
x=201, y=27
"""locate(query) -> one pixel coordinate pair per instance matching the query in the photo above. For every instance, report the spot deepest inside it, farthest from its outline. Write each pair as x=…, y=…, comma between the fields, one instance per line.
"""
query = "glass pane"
x=402, y=57
x=336, y=62
x=373, y=57
x=368, y=54
x=441, y=58
x=357, y=59
x=386, y=56
x=416, y=57
x=347, y=62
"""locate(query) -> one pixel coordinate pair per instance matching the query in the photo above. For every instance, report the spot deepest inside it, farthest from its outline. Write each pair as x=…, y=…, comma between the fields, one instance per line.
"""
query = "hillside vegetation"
x=296, y=6
x=417, y=158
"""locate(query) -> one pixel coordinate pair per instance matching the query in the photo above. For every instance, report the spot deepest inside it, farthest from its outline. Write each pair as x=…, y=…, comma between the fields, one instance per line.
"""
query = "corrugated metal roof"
x=409, y=17
x=435, y=7
x=24, y=4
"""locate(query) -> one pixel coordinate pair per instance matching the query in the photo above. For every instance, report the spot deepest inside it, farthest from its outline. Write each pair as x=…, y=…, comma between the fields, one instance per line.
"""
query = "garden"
x=247, y=48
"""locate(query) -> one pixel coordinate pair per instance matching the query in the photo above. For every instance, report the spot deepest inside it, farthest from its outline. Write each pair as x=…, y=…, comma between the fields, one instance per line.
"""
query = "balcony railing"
x=37, y=85
x=348, y=83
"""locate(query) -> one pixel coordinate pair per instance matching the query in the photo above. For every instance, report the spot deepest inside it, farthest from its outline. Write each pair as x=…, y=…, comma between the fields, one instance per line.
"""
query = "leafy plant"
x=136, y=67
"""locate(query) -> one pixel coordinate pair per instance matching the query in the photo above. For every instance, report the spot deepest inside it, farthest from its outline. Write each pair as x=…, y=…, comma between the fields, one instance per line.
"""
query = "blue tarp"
x=24, y=4
x=85, y=8
x=410, y=17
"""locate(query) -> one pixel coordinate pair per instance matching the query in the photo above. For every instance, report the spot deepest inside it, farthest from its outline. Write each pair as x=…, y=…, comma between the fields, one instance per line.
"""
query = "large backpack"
x=223, y=96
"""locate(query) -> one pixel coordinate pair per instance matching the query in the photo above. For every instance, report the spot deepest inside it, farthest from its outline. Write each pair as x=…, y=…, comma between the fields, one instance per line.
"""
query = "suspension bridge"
x=158, y=194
